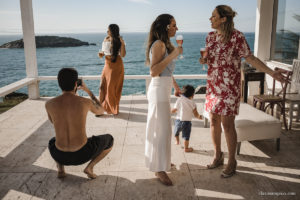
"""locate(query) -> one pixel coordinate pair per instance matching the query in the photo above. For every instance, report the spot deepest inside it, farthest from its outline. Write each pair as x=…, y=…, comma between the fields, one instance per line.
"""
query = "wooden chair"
x=295, y=84
x=293, y=100
x=293, y=94
x=276, y=98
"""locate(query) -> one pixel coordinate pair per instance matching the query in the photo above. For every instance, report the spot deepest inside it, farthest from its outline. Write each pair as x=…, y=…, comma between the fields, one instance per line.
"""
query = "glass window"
x=285, y=46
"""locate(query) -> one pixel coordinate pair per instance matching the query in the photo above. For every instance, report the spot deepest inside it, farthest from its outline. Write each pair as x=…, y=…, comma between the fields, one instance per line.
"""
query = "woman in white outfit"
x=160, y=55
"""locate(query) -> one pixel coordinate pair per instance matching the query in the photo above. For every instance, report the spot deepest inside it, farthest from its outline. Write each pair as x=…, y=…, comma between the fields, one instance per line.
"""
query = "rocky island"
x=48, y=41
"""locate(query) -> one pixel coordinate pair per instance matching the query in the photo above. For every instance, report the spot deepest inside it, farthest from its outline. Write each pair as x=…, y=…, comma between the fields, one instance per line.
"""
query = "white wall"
x=263, y=29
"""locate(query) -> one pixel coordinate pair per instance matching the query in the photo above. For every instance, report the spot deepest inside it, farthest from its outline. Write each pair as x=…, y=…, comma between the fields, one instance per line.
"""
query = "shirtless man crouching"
x=68, y=113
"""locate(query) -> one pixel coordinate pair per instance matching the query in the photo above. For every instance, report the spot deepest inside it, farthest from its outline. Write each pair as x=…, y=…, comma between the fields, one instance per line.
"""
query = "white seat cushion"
x=254, y=124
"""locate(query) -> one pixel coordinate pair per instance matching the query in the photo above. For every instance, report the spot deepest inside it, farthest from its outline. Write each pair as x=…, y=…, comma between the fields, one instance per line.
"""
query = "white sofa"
x=253, y=124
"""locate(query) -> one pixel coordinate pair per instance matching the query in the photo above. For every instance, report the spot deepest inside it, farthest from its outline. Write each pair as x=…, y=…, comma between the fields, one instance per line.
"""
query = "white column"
x=29, y=46
x=263, y=29
x=263, y=38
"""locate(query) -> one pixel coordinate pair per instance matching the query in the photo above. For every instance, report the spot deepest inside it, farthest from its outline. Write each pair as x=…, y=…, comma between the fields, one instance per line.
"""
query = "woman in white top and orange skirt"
x=160, y=55
x=113, y=48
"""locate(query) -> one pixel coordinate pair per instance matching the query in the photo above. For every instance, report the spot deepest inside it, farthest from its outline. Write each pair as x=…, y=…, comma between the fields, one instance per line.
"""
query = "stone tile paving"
x=27, y=170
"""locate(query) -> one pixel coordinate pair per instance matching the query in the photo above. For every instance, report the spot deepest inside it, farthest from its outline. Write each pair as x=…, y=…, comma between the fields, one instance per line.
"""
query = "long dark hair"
x=116, y=42
x=228, y=26
x=159, y=31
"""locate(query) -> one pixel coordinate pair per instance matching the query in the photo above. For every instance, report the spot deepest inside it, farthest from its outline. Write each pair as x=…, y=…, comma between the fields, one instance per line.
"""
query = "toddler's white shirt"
x=185, y=107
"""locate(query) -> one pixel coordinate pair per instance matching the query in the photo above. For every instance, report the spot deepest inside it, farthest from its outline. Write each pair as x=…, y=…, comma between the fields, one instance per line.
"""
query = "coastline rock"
x=48, y=41
x=16, y=95
x=201, y=89
x=11, y=100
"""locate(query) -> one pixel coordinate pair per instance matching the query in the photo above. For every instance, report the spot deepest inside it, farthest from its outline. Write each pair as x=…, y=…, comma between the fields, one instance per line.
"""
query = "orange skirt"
x=111, y=85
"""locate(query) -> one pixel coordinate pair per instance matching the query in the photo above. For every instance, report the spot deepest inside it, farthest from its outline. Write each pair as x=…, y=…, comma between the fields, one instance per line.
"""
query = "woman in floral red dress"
x=224, y=49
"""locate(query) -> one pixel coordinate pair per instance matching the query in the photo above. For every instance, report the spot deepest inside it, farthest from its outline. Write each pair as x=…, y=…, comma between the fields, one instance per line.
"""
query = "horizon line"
x=36, y=34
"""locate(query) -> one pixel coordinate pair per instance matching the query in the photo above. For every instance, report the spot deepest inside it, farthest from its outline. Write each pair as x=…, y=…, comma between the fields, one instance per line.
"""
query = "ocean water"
x=86, y=61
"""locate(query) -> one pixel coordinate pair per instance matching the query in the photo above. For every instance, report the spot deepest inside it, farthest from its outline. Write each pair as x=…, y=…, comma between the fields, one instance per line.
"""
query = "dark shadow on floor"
x=20, y=172
x=248, y=183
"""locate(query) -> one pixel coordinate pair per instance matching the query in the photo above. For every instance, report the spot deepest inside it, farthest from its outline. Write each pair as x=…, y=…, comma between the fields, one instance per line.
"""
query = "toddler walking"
x=185, y=108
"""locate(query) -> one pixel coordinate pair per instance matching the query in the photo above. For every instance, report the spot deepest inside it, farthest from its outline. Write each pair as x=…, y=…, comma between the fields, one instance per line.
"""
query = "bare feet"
x=60, y=171
x=89, y=173
x=61, y=174
x=188, y=149
x=173, y=166
x=164, y=178
x=89, y=168
x=177, y=140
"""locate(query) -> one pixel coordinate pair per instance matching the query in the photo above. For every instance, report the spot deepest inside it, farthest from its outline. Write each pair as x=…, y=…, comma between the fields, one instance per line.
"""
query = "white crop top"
x=106, y=45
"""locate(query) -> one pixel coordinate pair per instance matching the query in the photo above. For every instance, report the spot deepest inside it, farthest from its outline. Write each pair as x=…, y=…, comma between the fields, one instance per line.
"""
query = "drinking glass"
x=202, y=51
x=100, y=53
x=179, y=41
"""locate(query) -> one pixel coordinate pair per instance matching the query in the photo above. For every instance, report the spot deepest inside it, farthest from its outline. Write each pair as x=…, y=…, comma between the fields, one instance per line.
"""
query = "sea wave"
x=134, y=61
x=89, y=64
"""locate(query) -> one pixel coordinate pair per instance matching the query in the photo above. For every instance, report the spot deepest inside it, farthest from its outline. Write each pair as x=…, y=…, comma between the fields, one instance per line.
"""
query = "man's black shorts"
x=94, y=146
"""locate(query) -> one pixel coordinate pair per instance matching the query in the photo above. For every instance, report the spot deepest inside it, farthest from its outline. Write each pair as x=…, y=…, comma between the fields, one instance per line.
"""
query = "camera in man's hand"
x=79, y=82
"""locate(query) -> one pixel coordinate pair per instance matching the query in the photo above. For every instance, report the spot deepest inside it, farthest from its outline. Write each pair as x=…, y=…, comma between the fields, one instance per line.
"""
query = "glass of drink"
x=100, y=53
x=202, y=51
x=179, y=41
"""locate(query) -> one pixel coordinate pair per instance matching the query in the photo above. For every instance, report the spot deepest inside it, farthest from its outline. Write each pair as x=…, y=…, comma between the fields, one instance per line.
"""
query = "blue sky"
x=81, y=16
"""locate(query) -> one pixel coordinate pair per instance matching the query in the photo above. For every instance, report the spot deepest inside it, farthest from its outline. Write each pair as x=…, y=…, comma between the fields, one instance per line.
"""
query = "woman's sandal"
x=217, y=162
x=229, y=172
x=190, y=149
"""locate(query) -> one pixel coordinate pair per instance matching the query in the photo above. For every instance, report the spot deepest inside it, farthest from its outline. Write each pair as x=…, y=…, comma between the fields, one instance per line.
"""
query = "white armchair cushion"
x=254, y=124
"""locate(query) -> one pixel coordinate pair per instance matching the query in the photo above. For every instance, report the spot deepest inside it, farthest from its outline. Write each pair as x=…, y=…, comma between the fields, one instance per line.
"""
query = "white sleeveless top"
x=106, y=45
x=168, y=71
x=106, y=48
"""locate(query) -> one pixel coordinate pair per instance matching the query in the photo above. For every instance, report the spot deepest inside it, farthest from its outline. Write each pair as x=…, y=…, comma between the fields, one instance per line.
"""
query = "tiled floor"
x=28, y=172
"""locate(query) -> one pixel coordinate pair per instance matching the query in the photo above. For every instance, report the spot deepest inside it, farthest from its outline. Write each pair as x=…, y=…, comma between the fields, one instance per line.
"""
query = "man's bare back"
x=68, y=113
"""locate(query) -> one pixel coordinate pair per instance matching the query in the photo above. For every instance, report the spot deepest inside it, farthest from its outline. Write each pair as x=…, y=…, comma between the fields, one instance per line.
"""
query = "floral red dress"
x=224, y=73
